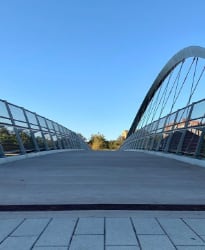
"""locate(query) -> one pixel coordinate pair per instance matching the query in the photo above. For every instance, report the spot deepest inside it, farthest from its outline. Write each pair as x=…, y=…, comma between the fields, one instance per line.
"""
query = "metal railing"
x=23, y=131
x=181, y=132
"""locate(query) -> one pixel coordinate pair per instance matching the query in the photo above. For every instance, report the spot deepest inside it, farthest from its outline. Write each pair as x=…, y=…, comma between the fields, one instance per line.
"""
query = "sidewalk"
x=100, y=230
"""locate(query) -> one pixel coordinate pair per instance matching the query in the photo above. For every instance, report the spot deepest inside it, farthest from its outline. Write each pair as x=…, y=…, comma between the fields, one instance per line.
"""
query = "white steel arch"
x=191, y=51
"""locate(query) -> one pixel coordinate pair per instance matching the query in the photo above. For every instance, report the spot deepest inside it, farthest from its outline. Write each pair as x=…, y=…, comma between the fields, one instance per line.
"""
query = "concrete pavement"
x=98, y=230
x=88, y=177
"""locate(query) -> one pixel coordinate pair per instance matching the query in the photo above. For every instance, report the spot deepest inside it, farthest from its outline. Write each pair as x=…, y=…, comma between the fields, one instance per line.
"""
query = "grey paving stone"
x=7, y=226
x=180, y=233
x=119, y=231
x=198, y=225
x=155, y=242
x=191, y=248
x=90, y=226
x=147, y=226
x=31, y=227
x=58, y=233
x=18, y=243
x=50, y=248
x=122, y=248
x=87, y=242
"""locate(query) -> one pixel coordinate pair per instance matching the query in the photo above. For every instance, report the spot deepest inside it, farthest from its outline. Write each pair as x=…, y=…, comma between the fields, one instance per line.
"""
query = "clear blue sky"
x=88, y=64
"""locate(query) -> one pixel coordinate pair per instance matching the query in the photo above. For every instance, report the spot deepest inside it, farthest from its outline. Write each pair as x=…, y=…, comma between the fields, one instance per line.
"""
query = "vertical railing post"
x=70, y=140
x=158, y=144
x=170, y=133
x=61, y=137
x=31, y=131
x=19, y=140
x=66, y=138
x=154, y=133
x=73, y=140
x=49, y=132
x=1, y=151
x=41, y=130
x=199, y=144
x=56, y=134
x=179, y=147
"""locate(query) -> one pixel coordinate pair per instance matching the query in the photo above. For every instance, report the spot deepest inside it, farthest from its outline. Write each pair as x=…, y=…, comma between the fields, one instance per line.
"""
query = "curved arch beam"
x=192, y=51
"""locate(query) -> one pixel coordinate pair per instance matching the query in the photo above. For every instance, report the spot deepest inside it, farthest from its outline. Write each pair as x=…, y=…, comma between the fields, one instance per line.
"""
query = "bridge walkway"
x=101, y=177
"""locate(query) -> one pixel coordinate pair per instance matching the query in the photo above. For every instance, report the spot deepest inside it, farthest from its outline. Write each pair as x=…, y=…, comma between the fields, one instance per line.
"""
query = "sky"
x=88, y=64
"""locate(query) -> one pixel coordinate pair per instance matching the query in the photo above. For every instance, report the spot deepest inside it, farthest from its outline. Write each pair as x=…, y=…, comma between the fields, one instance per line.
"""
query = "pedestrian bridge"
x=47, y=167
x=56, y=168
x=171, y=118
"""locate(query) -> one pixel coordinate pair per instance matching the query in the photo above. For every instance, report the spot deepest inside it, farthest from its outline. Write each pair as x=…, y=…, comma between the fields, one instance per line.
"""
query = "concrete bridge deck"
x=102, y=177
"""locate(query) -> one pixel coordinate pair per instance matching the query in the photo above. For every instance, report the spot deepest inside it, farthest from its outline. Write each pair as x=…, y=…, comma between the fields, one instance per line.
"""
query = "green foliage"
x=26, y=138
x=98, y=142
x=8, y=139
x=115, y=144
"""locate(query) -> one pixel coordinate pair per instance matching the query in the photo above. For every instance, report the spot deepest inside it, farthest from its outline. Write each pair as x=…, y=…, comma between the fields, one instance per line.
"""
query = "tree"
x=98, y=142
x=115, y=144
x=8, y=139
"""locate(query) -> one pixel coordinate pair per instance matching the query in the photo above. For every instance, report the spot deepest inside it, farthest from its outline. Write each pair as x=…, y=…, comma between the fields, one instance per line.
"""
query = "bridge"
x=56, y=193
